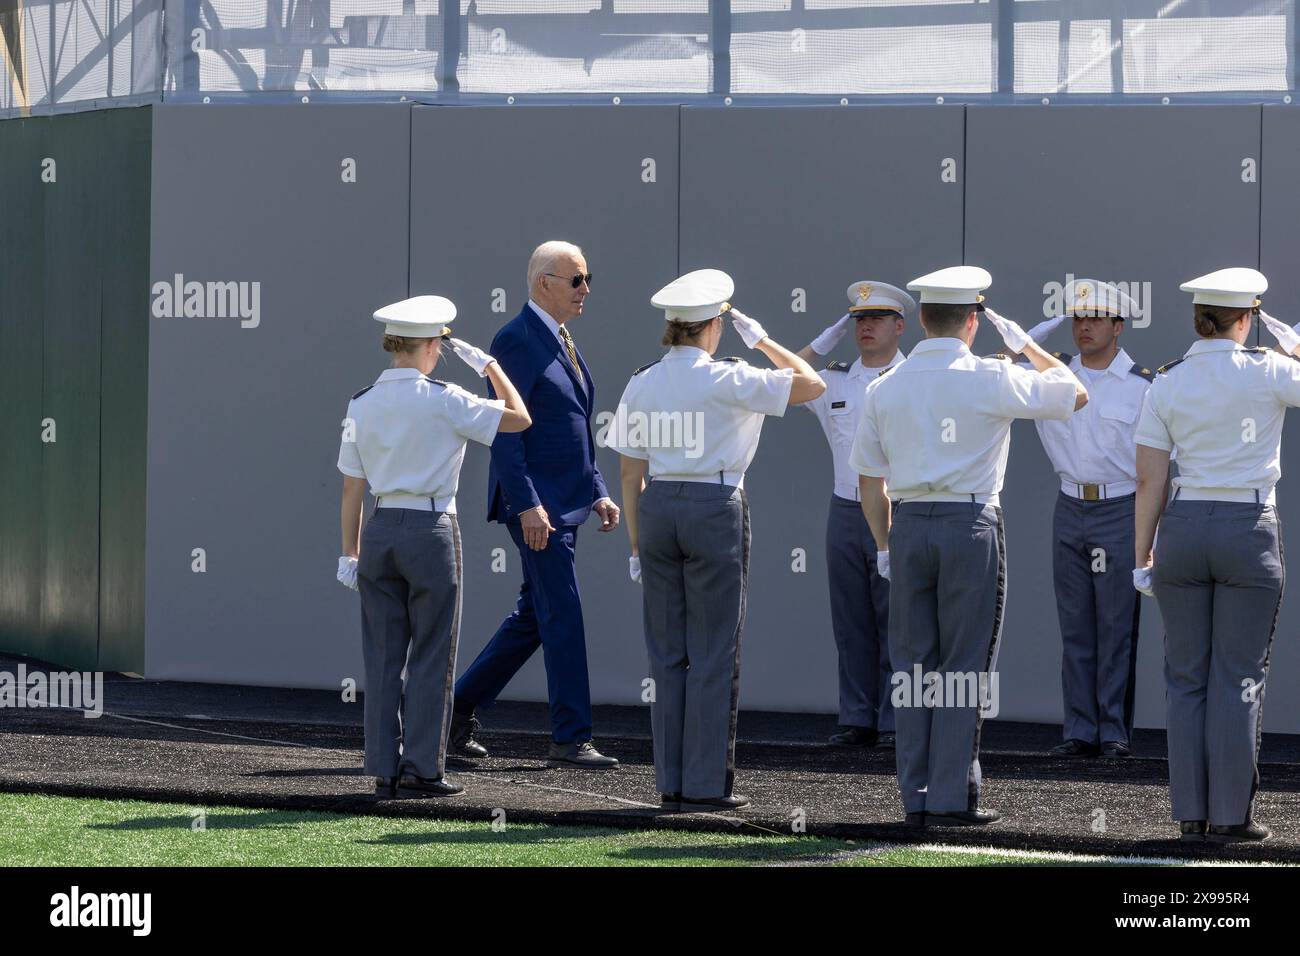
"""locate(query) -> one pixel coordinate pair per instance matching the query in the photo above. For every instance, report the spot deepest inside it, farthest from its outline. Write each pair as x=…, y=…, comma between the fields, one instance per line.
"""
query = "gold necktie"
x=573, y=352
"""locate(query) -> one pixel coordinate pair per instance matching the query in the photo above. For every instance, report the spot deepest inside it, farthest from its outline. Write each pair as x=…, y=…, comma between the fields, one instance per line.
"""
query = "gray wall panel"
x=124, y=234
x=244, y=422
x=489, y=184
x=70, y=393
x=1279, y=257
x=1118, y=194
x=809, y=198
x=22, y=292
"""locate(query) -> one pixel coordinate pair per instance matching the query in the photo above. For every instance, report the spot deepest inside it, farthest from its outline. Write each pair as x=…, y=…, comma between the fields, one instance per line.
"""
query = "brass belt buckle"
x=1091, y=492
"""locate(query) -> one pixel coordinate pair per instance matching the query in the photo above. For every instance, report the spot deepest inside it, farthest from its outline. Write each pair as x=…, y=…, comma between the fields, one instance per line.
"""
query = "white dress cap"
x=696, y=296
x=1235, y=288
x=1090, y=297
x=423, y=317
x=956, y=285
x=870, y=294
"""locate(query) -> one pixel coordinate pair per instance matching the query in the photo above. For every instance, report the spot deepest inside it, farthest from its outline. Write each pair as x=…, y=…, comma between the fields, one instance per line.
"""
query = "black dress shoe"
x=1076, y=748
x=428, y=786
x=888, y=740
x=733, y=802
x=962, y=818
x=1114, y=748
x=854, y=737
x=670, y=802
x=1191, y=831
x=916, y=819
x=461, y=736
x=386, y=787
x=1248, y=832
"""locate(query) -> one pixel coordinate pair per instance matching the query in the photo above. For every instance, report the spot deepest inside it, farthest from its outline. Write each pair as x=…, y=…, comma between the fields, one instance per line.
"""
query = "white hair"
x=545, y=256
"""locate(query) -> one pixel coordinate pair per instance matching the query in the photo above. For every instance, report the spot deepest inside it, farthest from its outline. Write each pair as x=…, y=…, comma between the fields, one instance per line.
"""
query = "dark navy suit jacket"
x=553, y=462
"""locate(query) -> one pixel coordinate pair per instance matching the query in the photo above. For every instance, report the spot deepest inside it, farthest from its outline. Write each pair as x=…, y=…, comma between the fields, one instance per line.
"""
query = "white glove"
x=634, y=568
x=348, y=572
x=832, y=334
x=749, y=330
x=475, y=358
x=882, y=564
x=1142, y=580
x=1286, y=336
x=1013, y=335
x=1042, y=330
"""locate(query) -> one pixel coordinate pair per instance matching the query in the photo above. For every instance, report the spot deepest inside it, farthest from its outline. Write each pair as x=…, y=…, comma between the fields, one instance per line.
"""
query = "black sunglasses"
x=575, y=281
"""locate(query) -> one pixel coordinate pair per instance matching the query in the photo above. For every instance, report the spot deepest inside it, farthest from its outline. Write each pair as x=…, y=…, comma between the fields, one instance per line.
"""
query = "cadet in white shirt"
x=938, y=426
x=405, y=436
x=691, y=424
x=859, y=595
x=1092, y=528
x=1218, y=569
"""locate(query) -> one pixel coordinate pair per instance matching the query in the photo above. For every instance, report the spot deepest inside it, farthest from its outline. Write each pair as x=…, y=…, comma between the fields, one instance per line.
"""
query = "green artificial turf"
x=40, y=830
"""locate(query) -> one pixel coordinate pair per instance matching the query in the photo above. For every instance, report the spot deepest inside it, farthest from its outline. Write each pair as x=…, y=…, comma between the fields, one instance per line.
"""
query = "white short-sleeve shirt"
x=1095, y=444
x=940, y=422
x=406, y=434
x=1220, y=408
x=838, y=409
x=694, y=418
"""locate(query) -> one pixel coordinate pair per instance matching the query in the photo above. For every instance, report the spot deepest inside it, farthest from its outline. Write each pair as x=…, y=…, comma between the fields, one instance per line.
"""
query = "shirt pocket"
x=842, y=424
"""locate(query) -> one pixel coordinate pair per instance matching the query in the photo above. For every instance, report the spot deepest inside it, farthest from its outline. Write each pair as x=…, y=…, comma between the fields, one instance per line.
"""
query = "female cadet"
x=692, y=423
x=405, y=435
x=1218, y=570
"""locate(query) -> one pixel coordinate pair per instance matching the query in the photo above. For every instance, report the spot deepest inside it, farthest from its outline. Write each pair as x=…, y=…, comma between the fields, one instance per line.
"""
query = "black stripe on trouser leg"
x=449, y=687
x=1268, y=659
x=740, y=627
x=1130, y=694
x=995, y=637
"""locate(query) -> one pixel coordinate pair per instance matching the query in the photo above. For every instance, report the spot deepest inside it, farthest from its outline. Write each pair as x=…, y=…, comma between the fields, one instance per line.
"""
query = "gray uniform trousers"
x=1218, y=575
x=694, y=544
x=947, y=593
x=1098, y=608
x=859, y=618
x=409, y=576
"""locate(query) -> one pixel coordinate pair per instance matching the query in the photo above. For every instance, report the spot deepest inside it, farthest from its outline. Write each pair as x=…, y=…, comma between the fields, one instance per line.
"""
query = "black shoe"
x=386, y=787
x=1248, y=832
x=962, y=818
x=888, y=741
x=1114, y=748
x=670, y=802
x=1076, y=748
x=583, y=755
x=461, y=736
x=733, y=802
x=428, y=786
x=916, y=819
x=1191, y=831
x=854, y=737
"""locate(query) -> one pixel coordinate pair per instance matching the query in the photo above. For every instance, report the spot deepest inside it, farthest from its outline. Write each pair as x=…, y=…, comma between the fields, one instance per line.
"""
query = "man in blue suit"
x=542, y=485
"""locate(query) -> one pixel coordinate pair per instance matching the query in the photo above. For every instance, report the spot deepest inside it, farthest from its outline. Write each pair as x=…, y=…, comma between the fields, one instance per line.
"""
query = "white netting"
x=111, y=50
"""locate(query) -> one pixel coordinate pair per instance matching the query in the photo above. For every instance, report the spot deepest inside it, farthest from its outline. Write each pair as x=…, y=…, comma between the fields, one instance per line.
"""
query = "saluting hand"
x=1042, y=330
x=1012, y=334
x=749, y=330
x=1285, y=335
x=831, y=336
x=475, y=358
x=537, y=528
